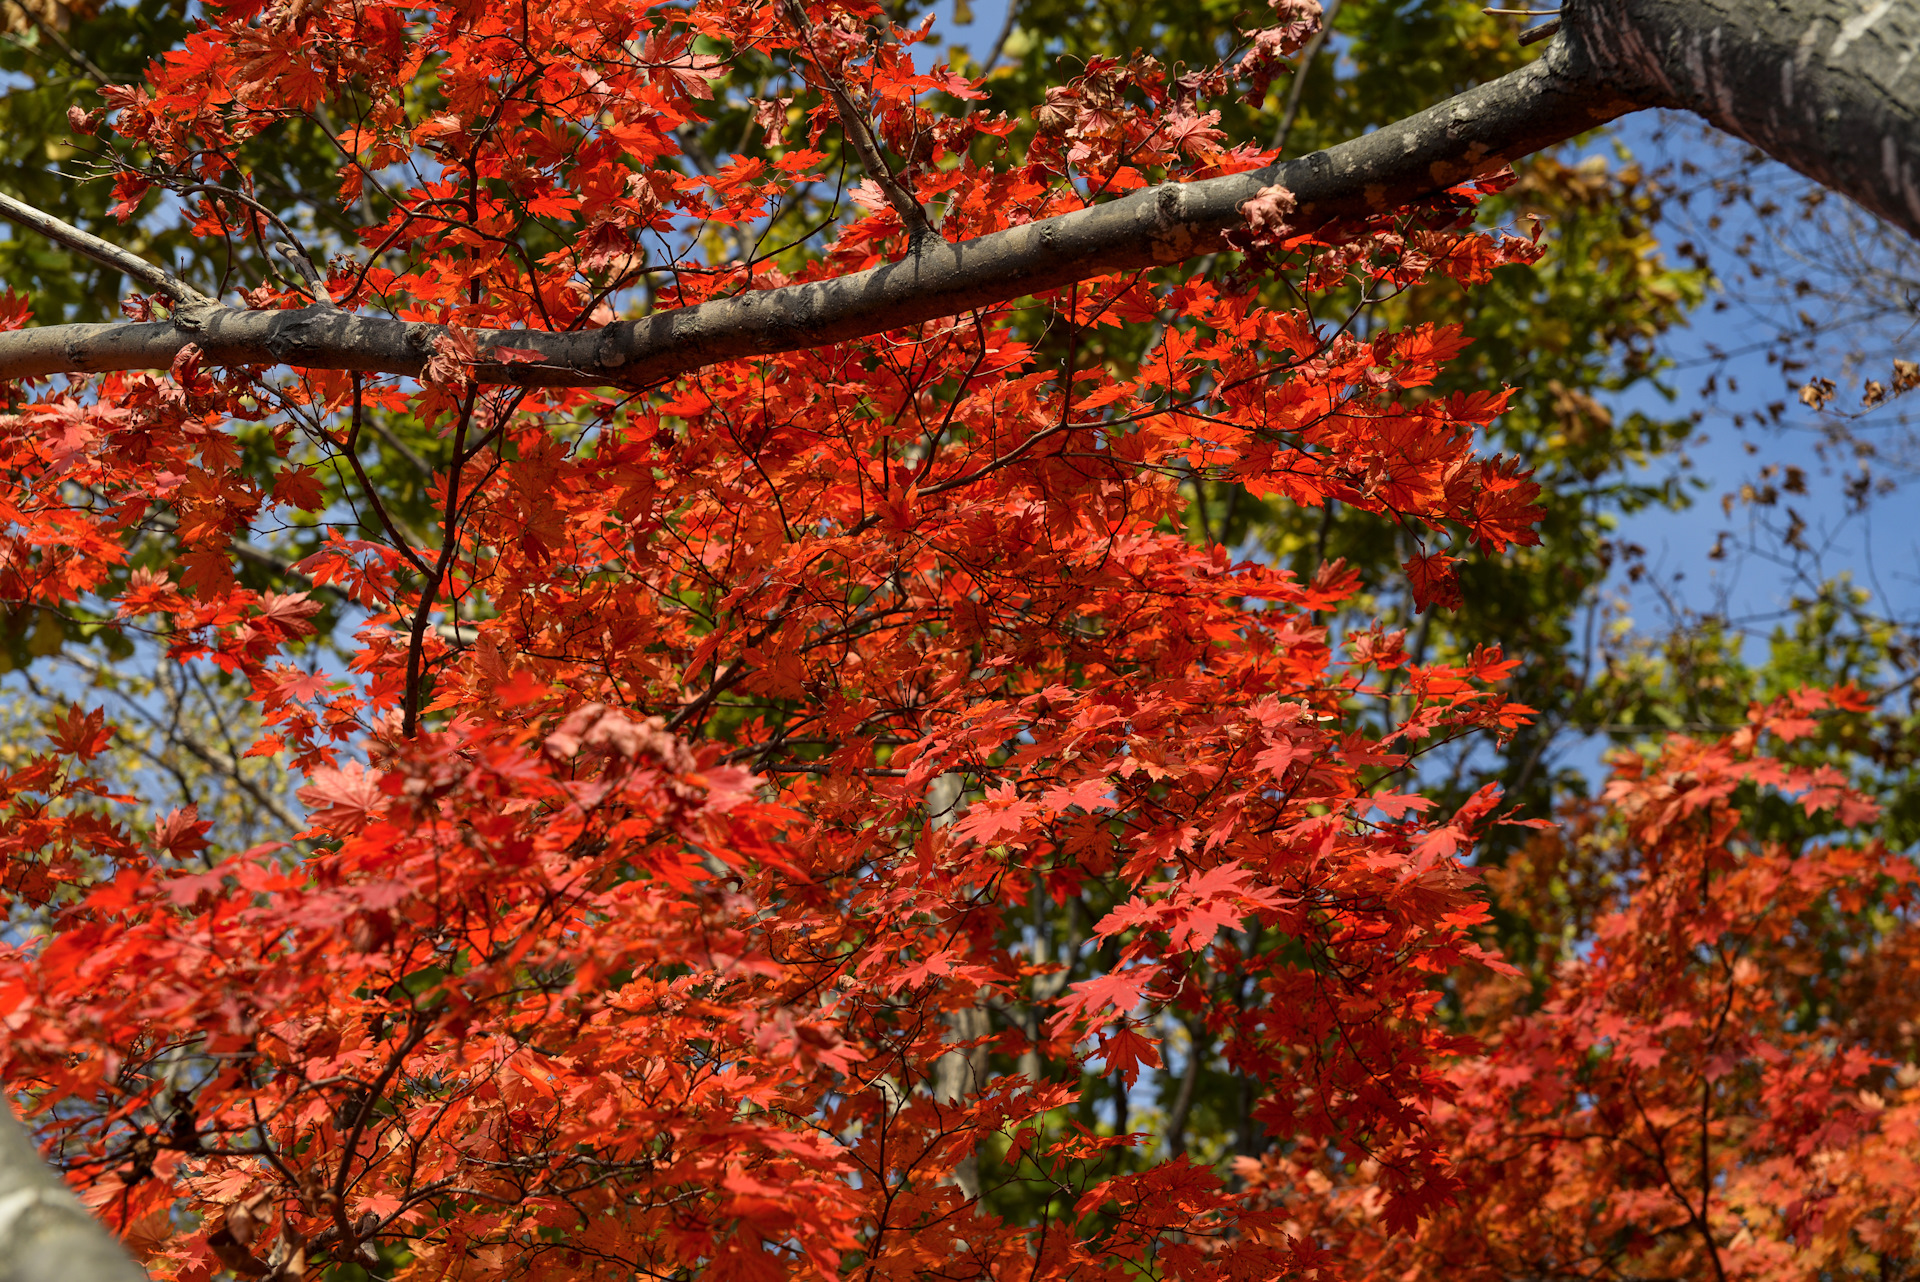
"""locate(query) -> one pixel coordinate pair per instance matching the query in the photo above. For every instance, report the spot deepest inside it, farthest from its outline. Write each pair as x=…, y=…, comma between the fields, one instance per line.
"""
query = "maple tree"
x=685, y=809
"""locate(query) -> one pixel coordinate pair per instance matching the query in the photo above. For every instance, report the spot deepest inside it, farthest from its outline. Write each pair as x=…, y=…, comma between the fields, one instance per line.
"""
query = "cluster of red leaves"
x=1683, y=1100
x=560, y=990
x=513, y=982
x=51, y=838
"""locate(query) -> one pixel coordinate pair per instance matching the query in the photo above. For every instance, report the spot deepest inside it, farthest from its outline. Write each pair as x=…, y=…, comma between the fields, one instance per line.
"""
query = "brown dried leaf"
x=1817, y=393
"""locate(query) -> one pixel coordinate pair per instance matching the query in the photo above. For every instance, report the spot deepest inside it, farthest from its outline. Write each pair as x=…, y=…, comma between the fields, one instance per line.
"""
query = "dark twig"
x=1307, y=58
x=861, y=138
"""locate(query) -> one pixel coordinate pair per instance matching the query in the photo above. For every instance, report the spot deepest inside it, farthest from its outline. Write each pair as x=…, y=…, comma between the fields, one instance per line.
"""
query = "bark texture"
x=46, y=1235
x=1826, y=86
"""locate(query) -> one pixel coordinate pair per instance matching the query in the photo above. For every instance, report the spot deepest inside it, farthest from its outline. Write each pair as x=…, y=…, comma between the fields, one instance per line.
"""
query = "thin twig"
x=400, y=542
x=1307, y=58
x=59, y=41
x=429, y=590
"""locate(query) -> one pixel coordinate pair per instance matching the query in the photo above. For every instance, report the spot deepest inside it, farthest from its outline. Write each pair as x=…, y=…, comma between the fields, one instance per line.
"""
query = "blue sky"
x=1878, y=544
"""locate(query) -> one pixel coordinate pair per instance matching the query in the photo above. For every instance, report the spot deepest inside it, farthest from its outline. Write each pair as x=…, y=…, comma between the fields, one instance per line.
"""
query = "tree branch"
x=1824, y=86
x=91, y=246
x=860, y=136
x=1817, y=83
x=1520, y=113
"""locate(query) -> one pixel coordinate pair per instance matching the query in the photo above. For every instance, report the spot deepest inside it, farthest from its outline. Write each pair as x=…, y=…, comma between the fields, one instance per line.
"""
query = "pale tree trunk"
x=1826, y=86
x=961, y=1072
x=963, y=1069
x=46, y=1235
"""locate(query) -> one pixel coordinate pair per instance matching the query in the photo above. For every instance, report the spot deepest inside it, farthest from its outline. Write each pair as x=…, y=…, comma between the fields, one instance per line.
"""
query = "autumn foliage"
x=682, y=813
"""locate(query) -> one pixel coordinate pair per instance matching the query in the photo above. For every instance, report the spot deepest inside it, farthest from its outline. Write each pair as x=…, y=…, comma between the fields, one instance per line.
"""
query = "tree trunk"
x=1826, y=86
x=46, y=1235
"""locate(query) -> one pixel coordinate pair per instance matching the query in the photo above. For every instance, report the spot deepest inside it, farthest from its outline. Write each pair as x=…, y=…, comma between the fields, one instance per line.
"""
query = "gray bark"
x=46, y=1235
x=959, y=1073
x=1826, y=86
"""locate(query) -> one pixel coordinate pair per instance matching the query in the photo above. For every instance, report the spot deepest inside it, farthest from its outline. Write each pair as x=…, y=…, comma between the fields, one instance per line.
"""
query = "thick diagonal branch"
x=1477, y=132
x=1824, y=85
